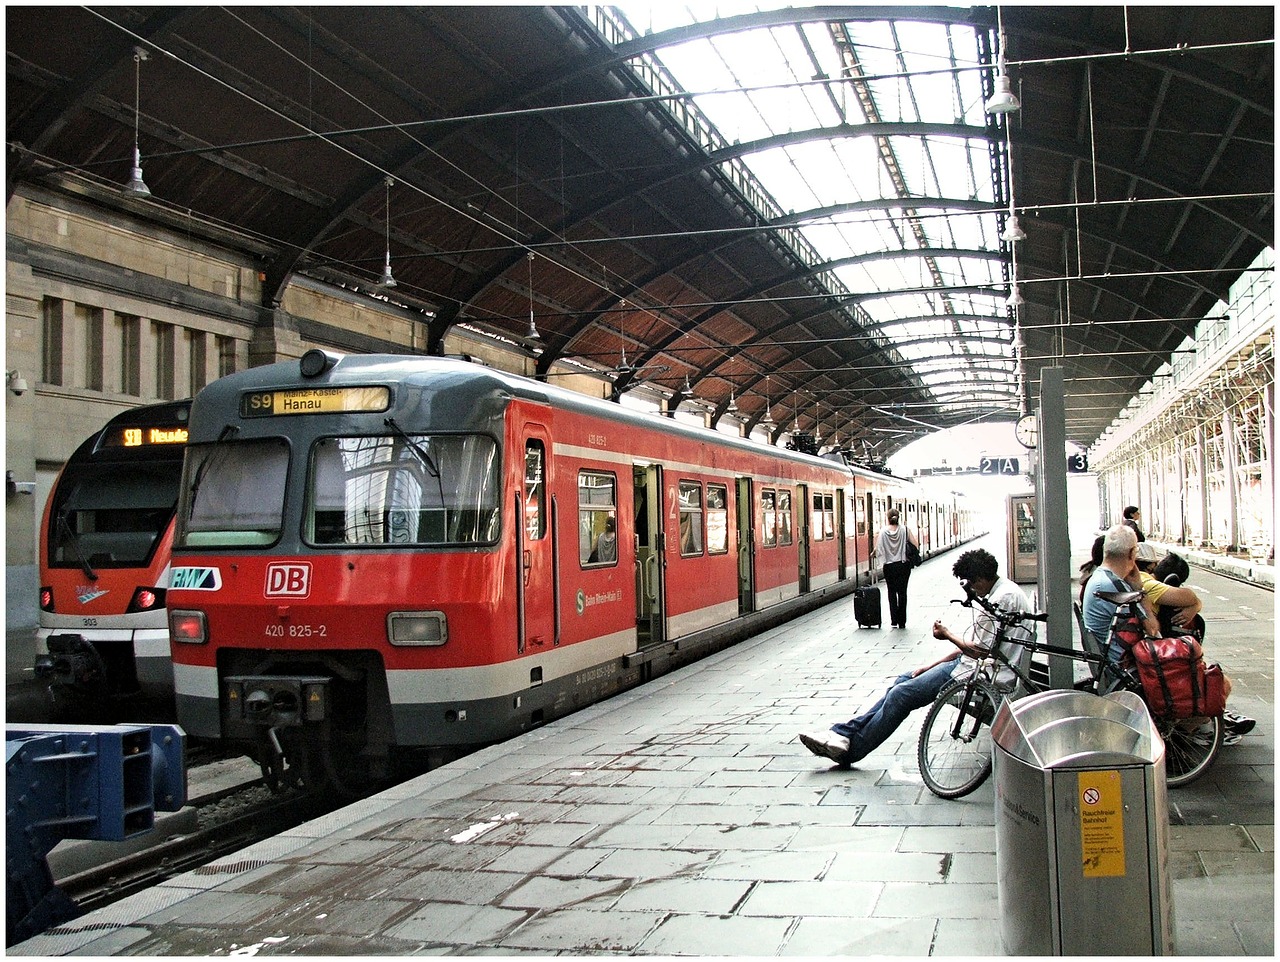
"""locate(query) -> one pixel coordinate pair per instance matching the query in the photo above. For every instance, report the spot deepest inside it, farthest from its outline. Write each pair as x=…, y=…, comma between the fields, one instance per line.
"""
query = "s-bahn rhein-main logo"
x=195, y=579
x=288, y=580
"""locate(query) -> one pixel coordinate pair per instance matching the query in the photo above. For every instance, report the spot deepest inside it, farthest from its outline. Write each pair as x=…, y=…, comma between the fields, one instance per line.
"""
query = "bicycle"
x=954, y=749
x=1191, y=745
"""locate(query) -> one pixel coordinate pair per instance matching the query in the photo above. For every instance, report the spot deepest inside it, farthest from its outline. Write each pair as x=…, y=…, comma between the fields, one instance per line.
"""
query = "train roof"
x=425, y=372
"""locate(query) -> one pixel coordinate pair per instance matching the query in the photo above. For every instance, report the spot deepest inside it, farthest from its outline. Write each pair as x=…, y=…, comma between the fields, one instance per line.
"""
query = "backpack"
x=1175, y=681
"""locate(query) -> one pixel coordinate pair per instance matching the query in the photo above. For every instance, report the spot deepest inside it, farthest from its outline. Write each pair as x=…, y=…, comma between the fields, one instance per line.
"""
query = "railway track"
x=228, y=809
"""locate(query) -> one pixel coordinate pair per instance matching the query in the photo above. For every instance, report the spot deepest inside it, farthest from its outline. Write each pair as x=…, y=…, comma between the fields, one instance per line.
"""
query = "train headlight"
x=146, y=599
x=46, y=598
x=417, y=628
x=188, y=627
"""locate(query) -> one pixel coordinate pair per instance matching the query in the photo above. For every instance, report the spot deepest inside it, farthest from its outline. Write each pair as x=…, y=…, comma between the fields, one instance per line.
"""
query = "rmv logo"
x=290, y=581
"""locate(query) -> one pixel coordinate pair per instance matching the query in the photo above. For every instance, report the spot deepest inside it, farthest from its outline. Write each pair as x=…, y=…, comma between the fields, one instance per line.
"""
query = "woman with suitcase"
x=891, y=548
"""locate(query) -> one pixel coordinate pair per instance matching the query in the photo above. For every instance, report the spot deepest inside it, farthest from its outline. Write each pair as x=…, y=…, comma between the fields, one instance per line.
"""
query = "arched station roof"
x=799, y=214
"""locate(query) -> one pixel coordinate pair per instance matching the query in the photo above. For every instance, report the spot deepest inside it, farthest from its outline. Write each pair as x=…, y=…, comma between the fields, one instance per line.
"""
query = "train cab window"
x=597, y=519
x=690, y=519
x=768, y=516
x=717, y=519
x=233, y=493
x=111, y=517
x=403, y=489
x=535, y=489
x=784, y=516
x=861, y=511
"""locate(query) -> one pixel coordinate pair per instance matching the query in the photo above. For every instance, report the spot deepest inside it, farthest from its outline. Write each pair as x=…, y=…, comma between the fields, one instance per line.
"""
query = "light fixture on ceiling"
x=1013, y=231
x=136, y=186
x=1003, y=100
x=733, y=405
x=767, y=420
x=1015, y=297
x=387, y=280
x=531, y=334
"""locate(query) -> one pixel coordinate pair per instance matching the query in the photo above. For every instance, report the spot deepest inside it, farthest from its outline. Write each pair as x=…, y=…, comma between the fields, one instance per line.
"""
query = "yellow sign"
x=320, y=400
x=1101, y=804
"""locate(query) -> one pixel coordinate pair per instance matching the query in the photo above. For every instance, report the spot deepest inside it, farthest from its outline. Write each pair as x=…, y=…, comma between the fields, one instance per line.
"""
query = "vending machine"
x=1023, y=563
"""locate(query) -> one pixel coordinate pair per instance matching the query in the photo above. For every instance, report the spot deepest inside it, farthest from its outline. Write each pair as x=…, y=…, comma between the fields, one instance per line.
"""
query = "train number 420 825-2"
x=296, y=631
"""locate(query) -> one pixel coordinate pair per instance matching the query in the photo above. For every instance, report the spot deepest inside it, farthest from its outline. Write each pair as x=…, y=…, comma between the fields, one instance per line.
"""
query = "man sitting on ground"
x=848, y=742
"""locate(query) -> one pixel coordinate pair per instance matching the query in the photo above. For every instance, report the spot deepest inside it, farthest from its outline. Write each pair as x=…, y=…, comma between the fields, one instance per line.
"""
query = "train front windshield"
x=368, y=490
x=112, y=517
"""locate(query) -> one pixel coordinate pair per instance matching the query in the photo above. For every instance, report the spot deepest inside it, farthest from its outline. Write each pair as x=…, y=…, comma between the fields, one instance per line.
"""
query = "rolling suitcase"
x=866, y=606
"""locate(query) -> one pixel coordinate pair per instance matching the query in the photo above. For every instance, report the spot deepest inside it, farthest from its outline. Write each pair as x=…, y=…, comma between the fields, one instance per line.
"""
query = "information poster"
x=1101, y=806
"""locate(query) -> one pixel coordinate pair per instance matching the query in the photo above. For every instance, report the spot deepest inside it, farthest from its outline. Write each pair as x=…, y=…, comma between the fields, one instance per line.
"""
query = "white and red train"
x=377, y=554
x=102, y=639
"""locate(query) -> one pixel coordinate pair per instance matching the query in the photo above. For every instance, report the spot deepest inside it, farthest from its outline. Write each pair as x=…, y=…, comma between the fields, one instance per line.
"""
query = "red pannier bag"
x=1176, y=683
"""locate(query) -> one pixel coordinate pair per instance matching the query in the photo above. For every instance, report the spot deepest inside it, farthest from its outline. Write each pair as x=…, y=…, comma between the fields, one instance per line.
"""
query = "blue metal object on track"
x=79, y=781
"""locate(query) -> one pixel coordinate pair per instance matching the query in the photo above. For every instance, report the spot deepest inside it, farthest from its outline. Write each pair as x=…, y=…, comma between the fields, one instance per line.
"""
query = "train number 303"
x=296, y=631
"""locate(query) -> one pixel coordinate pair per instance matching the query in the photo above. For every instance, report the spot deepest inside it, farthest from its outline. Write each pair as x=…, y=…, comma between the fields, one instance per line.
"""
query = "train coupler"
x=72, y=662
x=276, y=701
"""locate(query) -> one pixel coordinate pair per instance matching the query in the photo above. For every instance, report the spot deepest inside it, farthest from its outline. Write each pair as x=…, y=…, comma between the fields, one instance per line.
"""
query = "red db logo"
x=288, y=581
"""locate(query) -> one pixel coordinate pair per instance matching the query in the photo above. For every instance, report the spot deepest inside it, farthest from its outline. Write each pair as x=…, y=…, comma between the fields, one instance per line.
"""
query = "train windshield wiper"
x=418, y=449
x=223, y=435
x=74, y=540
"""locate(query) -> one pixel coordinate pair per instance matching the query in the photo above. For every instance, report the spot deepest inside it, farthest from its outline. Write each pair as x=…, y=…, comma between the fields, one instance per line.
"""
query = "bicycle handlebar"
x=991, y=608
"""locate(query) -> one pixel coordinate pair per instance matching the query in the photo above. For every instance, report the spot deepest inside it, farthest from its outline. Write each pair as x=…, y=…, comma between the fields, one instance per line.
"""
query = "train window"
x=405, y=489
x=233, y=493
x=717, y=519
x=769, y=516
x=111, y=516
x=690, y=518
x=535, y=489
x=597, y=519
x=824, y=524
x=784, y=516
x=861, y=507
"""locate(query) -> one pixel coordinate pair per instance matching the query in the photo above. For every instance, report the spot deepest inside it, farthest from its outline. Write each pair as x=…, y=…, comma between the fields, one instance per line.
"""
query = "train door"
x=871, y=534
x=842, y=546
x=536, y=607
x=746, y=547
x=804, y=531
x=650, y=561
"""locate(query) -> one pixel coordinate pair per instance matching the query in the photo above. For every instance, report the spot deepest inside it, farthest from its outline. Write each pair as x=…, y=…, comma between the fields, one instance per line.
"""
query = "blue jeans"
x=905, y=695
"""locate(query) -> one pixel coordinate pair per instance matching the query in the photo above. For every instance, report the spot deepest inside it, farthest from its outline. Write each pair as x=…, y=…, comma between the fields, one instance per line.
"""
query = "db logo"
x=288, y=581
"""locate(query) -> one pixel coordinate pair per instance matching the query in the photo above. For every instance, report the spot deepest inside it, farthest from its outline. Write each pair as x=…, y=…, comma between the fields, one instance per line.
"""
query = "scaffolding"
x=1196, y=456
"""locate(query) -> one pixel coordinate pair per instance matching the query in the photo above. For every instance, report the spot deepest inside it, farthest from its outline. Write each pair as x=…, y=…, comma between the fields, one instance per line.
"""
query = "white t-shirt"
x=1006, y=596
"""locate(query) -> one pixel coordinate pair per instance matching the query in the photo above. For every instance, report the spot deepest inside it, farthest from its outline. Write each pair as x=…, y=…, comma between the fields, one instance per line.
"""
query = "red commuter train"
x=377, y=554
x=103, y=639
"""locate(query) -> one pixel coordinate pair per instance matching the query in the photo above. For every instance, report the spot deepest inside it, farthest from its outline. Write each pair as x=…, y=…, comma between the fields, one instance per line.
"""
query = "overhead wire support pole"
x=1053, y=532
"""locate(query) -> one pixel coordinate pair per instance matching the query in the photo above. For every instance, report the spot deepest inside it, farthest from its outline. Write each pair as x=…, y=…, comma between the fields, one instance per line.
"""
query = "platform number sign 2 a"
x=1002, y=466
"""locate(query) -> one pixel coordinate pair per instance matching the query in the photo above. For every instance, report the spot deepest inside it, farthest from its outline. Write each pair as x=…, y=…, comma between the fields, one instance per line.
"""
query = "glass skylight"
x=758, y=83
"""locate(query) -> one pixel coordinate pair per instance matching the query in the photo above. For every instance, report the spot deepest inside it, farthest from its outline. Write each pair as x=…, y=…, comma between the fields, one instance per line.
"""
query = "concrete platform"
x=685, y=819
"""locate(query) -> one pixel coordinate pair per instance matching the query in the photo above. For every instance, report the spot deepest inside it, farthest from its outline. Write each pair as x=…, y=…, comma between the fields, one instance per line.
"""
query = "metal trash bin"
x=1082, y=826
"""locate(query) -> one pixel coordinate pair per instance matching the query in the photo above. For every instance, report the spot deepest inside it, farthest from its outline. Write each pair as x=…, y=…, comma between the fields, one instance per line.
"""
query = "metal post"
x=1202, y=468
x=1054, y=532
x=1229, y=455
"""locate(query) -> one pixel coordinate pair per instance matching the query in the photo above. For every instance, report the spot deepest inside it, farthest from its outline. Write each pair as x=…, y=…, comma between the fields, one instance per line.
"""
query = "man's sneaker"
x=827, y=744
x=1232, y=738
x=1237, y=724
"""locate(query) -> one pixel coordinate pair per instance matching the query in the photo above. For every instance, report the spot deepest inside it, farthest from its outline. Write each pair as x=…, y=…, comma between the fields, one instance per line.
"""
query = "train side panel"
x=607, y=547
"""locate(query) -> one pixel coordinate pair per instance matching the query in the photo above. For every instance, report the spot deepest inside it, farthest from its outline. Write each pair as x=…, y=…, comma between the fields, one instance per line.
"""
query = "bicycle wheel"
x=1190, y=746
x=955, y=740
